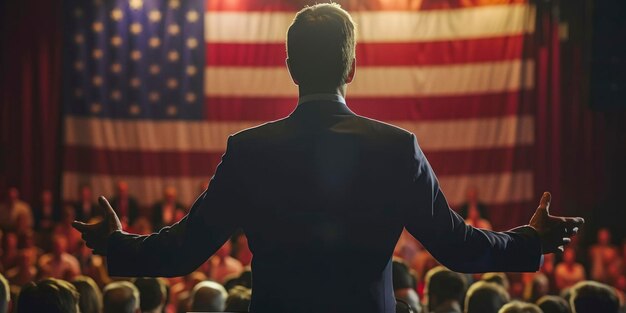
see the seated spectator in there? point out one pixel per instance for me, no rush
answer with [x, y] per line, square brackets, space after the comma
[602, 255]
[593, 297]
[497, 278]
[238, 299]
[9, 251]
[520, 307]
[120, 297]
[59, 263]
[64, 228]
[445, 290]
[86, 208]
[49, 295]
[167, 211]
[473, 211]
[44, 215]
[208, 296]
[142, 226]
[222, 265]
[538, 287]
[553, 304]
[485, 297]
[25, 271]
[181, 291]
[92, 265]
[5, 295]
[125, 205]
[152, 294]
[568, 272]
[90, 300]
[404, 284]
[13, 209]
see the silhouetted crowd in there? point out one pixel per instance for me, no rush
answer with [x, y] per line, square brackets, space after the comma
[45, 267]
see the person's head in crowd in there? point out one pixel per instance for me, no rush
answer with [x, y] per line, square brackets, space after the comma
[471, 194]
[497, 278]
[49, 295]
[485, 297]
[593, 297]
[553, 304]
[445, 289]
[238, 299]
[170, 194]
[404, 283]
[208, 296]
[90, 300]
[46, 197]
[520, 307]
[120, 297]
[152, 294]
[5, 295]
[13, 195]
[86, 194]
[9, 244]
[604, 236]
[321, 45]
[68, 215]
[59, 245]
[122, 189]
[569, 256]
[539, 287]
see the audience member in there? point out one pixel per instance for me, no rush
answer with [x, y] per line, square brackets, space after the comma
[152, 294]
[602, 255]
[5, 295]
[59, 264]
[25, 271]
[124, 204]
[553, 304]
[49, 295]
[9, 251]
[568, 272]
[13, 209]
[497, 278]
[520, 307]
[538, 287]
[593, 297]
[222, 265]
[404, 284]
[485, 297]
[445, 290]
[65, 229]
[86, 208]
[208, 296]
[44, 215]
[182, 290]
[120, 297]
[167, 211]
[238, 299]
[90, 300]
[92, 265]
[473, 210]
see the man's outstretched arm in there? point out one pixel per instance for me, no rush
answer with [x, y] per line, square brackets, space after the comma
[175, 250]
[463, 248]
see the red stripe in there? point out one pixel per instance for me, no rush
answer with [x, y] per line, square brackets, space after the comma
[425, 108]
[202, 164]
[380, 54]
[370, 5]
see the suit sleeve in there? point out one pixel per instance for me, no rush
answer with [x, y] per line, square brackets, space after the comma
[181, 248]
[456, 245]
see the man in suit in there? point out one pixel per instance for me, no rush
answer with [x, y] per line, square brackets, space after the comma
[322, 196]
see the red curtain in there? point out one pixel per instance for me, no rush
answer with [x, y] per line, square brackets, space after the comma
[30, 96]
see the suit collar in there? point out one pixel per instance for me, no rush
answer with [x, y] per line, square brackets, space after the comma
[321, 105]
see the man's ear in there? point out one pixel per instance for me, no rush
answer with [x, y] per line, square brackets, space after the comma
[291, 72]
[352, 71]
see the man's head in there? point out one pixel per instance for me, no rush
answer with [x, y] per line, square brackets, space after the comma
[120, 297]
[169, 194]
[49, 295]
[444, 285]
[46, 197]
[553, 304]
[404, 284]
[321, 45]
[604, 236]
[122, 188]
[208, 296]
[485, 297]
[5, 295]
[14, 194]
[85, 192]
[90, 296]
[590, 296]
[59, 245]
[152, 294]
[520, 307]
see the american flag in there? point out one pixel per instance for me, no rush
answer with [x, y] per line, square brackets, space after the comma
[154, 87]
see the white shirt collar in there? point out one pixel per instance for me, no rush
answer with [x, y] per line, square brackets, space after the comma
[322, 97]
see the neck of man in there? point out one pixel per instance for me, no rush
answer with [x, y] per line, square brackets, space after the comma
[305, 90]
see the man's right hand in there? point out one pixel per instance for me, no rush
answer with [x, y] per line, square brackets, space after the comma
[554, 231]
[97, 234]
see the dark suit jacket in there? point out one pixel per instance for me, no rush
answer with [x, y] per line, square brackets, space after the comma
[322, 196]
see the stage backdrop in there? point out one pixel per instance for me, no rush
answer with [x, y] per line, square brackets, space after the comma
[153, 88]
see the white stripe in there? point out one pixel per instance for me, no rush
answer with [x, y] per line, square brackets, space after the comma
[383, 26]
[211, 136]
[496, 188]
[372, 81]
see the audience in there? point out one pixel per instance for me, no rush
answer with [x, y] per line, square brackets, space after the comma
[593, 297]
[473, 211]
[222, 266]
[90, 300]
[124, 204]
[520, 307]
[59, 264]
[167, 211]
[208, 296]
[13, 209]
[120, 297]
[5, 295]
[602, 255]
[485, 297]
[238, 299]
[49, 295]
[553, 304]
[86, 208]
[404, 285]
[568, 272]
[44, 215]
[152, 294]
[446, 290]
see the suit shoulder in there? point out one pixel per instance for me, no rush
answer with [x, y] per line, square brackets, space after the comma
[257, 132]
[385, 128]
